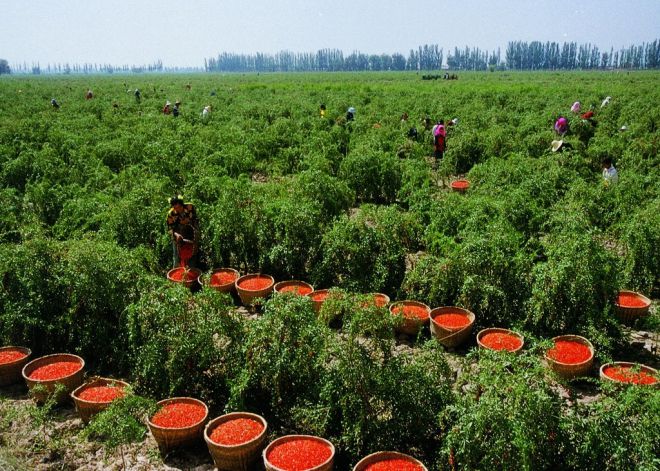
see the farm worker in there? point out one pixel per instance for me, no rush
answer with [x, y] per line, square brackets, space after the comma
[89, 95]
[561, 126]
[138, 96]
[610, 174]
[439, 136]
[404, 117]
[605, 102]
[561, 145]
[350, 114]
[167, 109]
[427, 122]
[322, 110]
[577, 106]
[175, 110]
[183, 228]
[54, 103]
[206, 112]
[588, 115]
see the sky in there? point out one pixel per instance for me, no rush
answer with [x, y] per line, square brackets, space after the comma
[183, 33]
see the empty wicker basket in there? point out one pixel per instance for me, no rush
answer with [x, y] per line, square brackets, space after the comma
[10, 372]
[239, 457]
[69, 382]
[168, 438]
[386, 455]
[88, 409]
[451, 337]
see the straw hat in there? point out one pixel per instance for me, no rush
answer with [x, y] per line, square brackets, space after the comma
[556, 145]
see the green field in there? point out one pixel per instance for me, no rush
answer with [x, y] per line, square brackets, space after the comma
[538, 244]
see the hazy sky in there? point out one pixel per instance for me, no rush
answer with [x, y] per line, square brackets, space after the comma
[185, 32]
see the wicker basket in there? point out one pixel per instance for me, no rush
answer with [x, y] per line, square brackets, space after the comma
[88, 409]
[192, 277]
[572, 370]
[70, 382]
[385, 455]
[644, 368]
[283, 284]
[496, 330]
[448, 337]
[168, 438]
[382, 296]
[410, 326]
[10, 373]
[227, 287]
[318, 304]
[248, 296]
[235, 457]
[460, 186]
[630, 314]
[327, 466]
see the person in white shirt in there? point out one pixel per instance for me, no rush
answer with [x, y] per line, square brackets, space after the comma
[610, 174]
[205, 112]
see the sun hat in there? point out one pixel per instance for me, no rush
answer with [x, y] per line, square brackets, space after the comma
[576, 107]
[556, 145]
[351, 110]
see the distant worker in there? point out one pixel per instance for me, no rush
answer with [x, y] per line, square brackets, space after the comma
[577, 106]
[605, 102]
[322, 110]
[404, 117]
[206, 113]
[138, 96]
[175, 110]
[213, 93]
[610, 175]
[183, 227]
[561, 126]
[350, 114]
[412, 133]
[188, 86]
[428, 122]
[561, 146]
[54, 103]
[167, 109]
[89, 95]
[439, 142]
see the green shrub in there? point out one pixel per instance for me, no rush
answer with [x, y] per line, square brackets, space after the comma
[374, 176]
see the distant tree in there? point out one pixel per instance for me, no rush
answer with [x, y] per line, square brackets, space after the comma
[4, 67]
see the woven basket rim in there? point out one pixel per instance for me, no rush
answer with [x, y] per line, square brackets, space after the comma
[578, 338]
[641, 366]
[178, 399]
[489, 330]
[194, 270]
[25, 350]
[287, 438]
[212, 424]
[460, 180]
[202, 279]
[367, 460]
[318, 291]
[254, 275]
[646, 300]
[281, 284]
[438, 310]
[410, 302]
[52, 356]
[93, 382]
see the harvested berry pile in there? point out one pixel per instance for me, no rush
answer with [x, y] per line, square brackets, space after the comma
[501, 341]
[630, 300]
[412, 312]
[319, 295]
[56, 370]
[299, 454]
[101, 393]
[302, 290]
[452, 320]
[395, 464]
[221, 278]
[627, 374]
[10, 356]
[236, 431]
[569, 352]
[256, 284]
[180, 274]
[179, 415]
